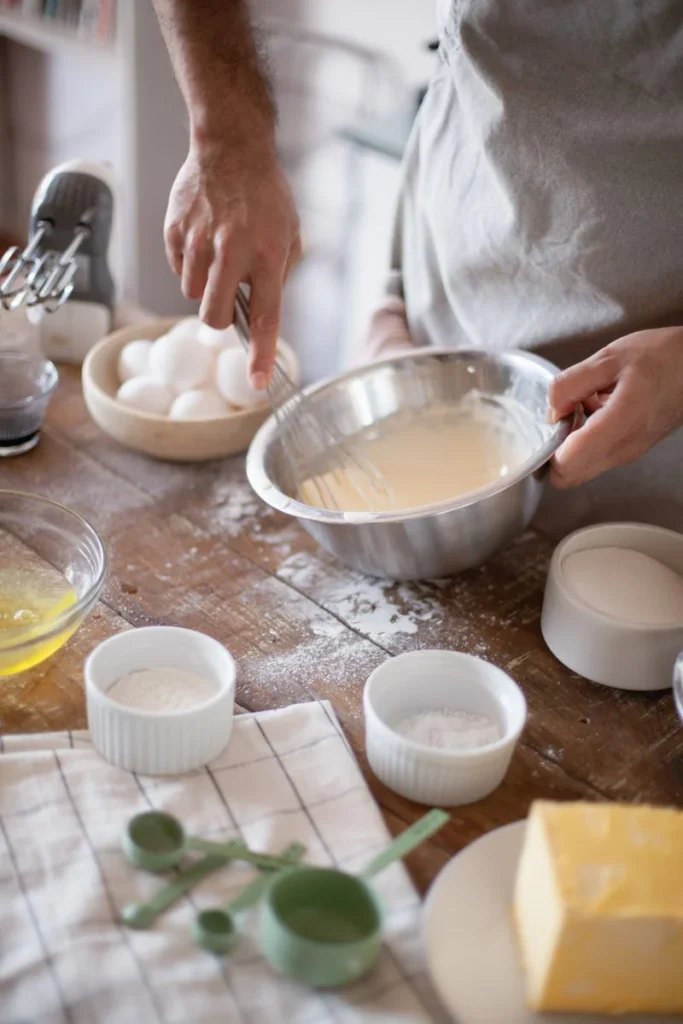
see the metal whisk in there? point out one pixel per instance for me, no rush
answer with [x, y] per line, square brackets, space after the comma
[309, 437]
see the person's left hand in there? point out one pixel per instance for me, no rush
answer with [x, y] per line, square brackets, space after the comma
[632, 394]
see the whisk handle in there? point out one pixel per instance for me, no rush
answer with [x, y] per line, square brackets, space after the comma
[241, 319]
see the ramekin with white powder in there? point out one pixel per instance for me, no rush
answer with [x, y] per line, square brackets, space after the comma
[441, 726]
[160, 699]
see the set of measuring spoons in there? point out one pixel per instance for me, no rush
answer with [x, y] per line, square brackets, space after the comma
[320, 926]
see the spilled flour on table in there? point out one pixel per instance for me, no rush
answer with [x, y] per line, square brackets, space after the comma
[372, 606]
[297, 674]
[280, 541]
[234, 502]
[327, 626]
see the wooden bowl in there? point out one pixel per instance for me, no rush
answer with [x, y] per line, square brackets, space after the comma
[159, 436]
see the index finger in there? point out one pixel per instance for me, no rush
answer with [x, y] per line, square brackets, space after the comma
[265, 307]
[173, 243]
[217, 308]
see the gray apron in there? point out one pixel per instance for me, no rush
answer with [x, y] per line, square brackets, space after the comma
[542, 197]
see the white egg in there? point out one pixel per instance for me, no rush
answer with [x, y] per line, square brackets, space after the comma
[198, 404]
[218, 340]
[134, 359]
[232, 382]
[146, 394]
[187, 328]
[181, 362]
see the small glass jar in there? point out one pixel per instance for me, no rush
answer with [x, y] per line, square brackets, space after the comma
[27, 383]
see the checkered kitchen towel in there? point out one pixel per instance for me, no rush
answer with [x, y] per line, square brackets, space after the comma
[65, 959]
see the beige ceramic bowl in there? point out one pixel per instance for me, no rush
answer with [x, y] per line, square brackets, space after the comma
[159, 436]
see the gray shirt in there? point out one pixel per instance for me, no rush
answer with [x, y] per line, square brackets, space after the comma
[542, 196]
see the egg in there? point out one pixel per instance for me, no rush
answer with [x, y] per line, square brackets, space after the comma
[232, 381]
[198, 404]
[180, 362]
[187, 328]
[145, 394]
[134, 359]
[218, 340]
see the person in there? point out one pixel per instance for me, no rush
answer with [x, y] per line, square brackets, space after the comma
[231, 216]
[540, 201]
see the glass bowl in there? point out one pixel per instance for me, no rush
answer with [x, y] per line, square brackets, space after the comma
[27, 384]
[52, 566]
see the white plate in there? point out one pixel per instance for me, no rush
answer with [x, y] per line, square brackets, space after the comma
[471, 947]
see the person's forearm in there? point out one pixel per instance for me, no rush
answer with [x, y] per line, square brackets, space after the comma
[231, 217]
[219, 68]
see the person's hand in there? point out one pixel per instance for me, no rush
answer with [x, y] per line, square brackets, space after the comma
[231, 218]
[387, 333]
[632, 394]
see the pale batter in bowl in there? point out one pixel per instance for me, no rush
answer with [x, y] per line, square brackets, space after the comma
[429, 456]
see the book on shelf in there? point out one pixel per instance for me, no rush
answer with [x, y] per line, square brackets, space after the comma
[89, 19]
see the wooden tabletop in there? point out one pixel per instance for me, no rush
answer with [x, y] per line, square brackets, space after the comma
[191, 546]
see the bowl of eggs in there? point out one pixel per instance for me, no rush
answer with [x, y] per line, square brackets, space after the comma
[177, 390]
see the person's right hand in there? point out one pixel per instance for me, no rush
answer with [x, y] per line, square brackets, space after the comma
[231, 218]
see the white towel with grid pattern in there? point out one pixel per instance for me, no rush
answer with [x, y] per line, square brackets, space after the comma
[65, 959]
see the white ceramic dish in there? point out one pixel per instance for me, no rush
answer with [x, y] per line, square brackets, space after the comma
[159, 743]
[602, 649]
[437, 681]
[159, 436]
[471, 947]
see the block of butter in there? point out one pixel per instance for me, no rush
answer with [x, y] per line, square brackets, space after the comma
[598, 908]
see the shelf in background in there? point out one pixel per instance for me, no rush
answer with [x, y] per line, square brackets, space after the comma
[51, 37]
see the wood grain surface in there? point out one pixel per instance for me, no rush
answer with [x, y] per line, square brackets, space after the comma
[191, 546]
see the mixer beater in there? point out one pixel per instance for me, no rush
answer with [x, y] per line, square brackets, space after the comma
[66, 258]
[29, 279]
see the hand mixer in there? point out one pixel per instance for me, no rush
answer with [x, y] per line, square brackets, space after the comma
[309, 436]
[66, 258]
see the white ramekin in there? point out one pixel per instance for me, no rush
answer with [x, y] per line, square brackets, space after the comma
[151, 742]
[440, 681]
[602, 649]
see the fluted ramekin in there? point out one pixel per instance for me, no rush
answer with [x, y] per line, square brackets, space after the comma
[440, 681]
[159, 742]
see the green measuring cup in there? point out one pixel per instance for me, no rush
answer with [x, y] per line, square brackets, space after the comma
[215, 930]
[143, 915]
[323, 927]
[156, 841]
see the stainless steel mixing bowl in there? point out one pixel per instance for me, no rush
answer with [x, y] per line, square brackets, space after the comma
[433, 540]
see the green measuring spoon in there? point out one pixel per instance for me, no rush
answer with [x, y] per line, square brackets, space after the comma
[323, 927]
[215, 930]
[143, 915]
[156, 841]
[262, 861]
